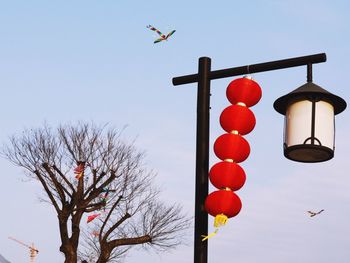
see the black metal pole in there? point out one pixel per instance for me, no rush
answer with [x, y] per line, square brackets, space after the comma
[261, 67]
[202, 160]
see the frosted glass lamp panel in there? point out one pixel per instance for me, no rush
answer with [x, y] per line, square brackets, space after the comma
[298, 123]
[324, 124]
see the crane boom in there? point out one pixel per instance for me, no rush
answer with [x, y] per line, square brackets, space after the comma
[32, 249]
[20, 242]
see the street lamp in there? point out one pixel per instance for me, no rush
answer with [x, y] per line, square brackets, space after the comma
[322, 104]
[309, 130]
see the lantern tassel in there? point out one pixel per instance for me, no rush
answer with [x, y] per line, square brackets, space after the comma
[220, 220]
[205, 237]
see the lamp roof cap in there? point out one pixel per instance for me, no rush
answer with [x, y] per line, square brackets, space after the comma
[306, 91]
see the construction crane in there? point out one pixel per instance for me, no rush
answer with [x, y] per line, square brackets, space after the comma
[32, 249]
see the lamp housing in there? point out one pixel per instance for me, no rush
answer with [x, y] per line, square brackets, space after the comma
[309, 127]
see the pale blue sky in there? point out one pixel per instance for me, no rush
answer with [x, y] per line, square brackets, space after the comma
[66, 61]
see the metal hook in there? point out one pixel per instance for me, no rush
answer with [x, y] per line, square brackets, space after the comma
[248, 73]
[309, 72]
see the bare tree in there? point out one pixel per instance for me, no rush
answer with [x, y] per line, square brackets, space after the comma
[112, 185]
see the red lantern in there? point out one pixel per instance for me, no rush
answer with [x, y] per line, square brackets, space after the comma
[223, 202]
[231, 146]
[237, 118]
[227, 174]
[244, 90]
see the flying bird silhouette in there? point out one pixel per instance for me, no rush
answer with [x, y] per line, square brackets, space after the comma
[162, 36]
[315, 213]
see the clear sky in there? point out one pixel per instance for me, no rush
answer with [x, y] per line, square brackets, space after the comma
[69, 61]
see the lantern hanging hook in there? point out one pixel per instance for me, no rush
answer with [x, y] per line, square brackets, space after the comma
[248, 76]
[248, 71]
[309, 72]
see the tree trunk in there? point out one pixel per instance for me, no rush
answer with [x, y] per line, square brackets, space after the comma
[70, 255]
[71, 258]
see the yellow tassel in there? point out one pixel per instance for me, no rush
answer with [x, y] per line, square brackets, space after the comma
[220, 220]
[210, 235]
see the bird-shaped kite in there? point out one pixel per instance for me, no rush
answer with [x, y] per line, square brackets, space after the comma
[315, 213]
[79, 170]
[95, 233]
[106, 191]
[162, 36]
[92, 217]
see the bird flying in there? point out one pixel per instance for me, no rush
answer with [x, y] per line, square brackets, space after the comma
[162, 36]
[315, 213]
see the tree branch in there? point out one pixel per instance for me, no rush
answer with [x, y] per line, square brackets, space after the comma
[125, 217]
[130, 241]
[95, 192]
[93, 185]
[109, 214]
[64, 178]
[95, 206]
[47, 190]
[59, 187]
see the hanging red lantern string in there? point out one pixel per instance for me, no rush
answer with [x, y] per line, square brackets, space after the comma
[232, 148]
